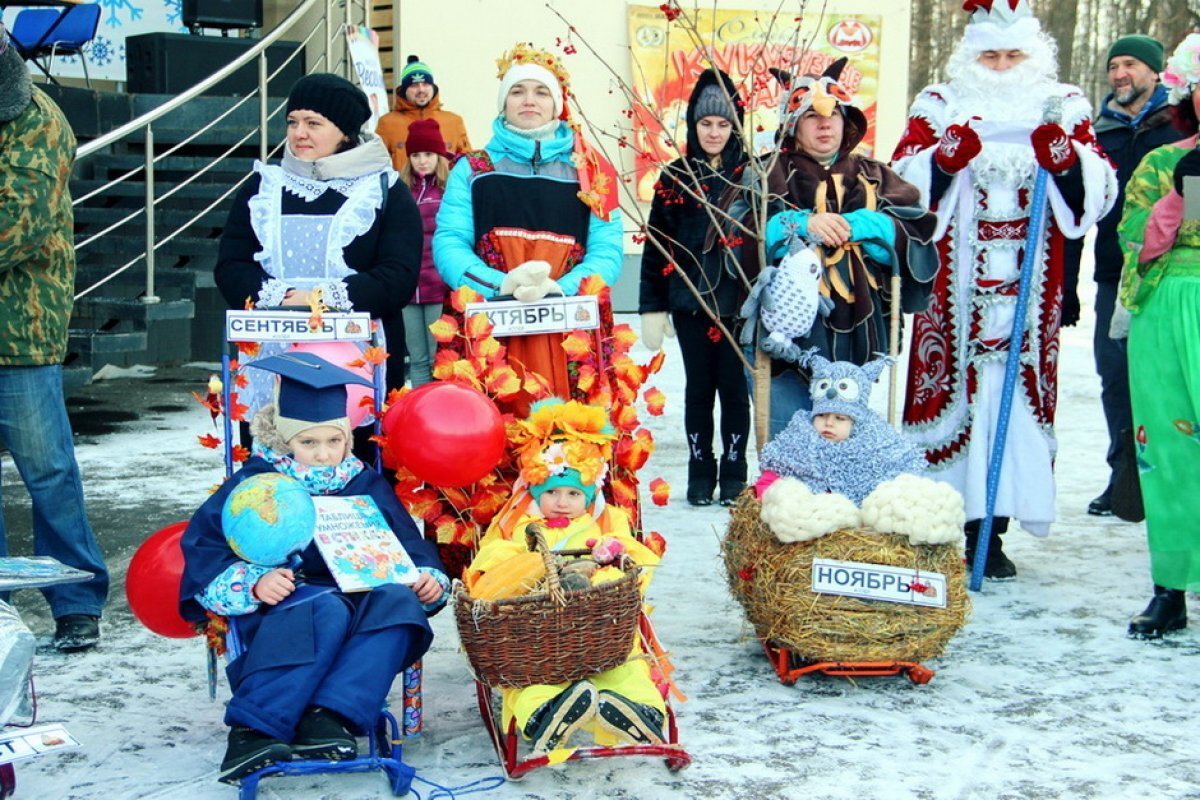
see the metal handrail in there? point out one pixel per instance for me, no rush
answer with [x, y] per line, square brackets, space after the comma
[145, 125]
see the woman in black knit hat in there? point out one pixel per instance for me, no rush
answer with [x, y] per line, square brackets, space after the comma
[332, 218]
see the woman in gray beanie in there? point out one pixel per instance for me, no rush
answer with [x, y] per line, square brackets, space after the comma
[333, 216]
[687, 198]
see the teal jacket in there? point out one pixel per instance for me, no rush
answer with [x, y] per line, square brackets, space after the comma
[37, 251]
[455, 241]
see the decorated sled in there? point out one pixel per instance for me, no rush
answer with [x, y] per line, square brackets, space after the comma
[851, 603]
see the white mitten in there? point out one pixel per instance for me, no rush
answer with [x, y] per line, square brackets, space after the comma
[656, 325]
[531, 273]
[529, 294]
[1119, 327]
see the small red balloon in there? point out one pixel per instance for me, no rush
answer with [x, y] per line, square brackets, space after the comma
[152, 583]
[446, 434]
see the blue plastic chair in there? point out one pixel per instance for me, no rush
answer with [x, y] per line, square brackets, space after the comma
[41, 32]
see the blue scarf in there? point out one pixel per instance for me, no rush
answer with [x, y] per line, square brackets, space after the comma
[317, 480]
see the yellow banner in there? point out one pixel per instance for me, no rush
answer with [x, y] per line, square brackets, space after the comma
[667, 60]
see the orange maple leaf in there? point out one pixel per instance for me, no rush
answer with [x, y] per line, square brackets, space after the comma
[478, 326]
[486, 502]
[660, 492]
[577, 344]
[502, 382]
[655, 364]
[633, 451]
[586, 379]
[209, 441]
[425, 503]
[624, 492]
[623, 337]
[248, 349]
[655, 400]
[237, 411]
[444, 329]
[234, 366]
[375, 355]
[239, 453]
[445, 527]
[490, 350]
[593, 284]
[241, 380]
[536, 386]
[463, 295]
[625, 418]
[655, 542]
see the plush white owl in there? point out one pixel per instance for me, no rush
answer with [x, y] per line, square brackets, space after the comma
[787, 299]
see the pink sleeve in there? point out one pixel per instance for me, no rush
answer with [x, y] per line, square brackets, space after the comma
[764, 482]
[1162, 226]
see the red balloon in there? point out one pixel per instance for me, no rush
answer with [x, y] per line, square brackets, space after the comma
[152, 583]
[446, 434]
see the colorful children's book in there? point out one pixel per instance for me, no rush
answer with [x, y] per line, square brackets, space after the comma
[358, 546]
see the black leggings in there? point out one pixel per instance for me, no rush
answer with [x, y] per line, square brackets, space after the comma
[712, 369]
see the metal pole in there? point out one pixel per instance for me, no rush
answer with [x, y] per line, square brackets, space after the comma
[328, 35]
[150, 296]
[263, 144]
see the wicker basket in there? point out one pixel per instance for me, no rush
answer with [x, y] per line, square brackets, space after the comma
[773, 583]
[551, 637]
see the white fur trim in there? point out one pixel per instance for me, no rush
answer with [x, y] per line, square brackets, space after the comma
[1020, 35]
[530, 72]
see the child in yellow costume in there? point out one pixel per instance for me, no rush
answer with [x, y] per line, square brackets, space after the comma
[564, 450]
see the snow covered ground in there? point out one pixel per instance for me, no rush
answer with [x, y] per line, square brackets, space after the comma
[1039, 696]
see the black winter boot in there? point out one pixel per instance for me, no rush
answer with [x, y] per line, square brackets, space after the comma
[1167, 612]
[702, 481]
[733, 480]
[998, 567]
[321, 734]
[250, 751]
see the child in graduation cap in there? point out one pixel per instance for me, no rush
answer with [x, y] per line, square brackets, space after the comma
[318, 663]
[564, 450]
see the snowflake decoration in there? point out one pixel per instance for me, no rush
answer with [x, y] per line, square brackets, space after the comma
[114, 6]
[100, 51]
[174, 11]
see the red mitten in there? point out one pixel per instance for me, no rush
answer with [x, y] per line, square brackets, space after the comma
[1052, 148]
[958, 145]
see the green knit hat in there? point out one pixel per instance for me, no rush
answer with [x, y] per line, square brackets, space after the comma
[418, 72]
[1145, 49]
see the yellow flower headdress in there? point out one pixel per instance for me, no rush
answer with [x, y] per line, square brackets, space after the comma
[559, 435]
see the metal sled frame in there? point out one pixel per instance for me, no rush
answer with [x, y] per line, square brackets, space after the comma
[790, 667]
[507, 742]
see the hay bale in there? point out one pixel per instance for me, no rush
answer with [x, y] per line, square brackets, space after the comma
[773, 582]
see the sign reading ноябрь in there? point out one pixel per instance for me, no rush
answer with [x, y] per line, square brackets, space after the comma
[879, 582]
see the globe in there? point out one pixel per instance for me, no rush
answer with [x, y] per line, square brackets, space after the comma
[267, 517]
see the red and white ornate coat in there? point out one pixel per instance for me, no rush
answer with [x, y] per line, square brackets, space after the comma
[984, 186]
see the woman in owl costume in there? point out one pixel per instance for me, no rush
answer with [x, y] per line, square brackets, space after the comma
[865, 219]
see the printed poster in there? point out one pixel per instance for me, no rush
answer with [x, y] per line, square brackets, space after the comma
[363, 44]
[745, 43]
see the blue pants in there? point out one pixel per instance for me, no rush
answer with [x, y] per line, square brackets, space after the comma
[320, 647]
[35, 429]
[1112, 365]
[789, 394]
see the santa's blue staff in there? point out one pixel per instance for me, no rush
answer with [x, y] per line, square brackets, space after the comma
[1037, 221]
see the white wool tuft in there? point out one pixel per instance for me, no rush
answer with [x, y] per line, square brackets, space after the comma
[795, 514]
[924, 510]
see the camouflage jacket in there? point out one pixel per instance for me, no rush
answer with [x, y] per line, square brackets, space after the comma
[37, 253]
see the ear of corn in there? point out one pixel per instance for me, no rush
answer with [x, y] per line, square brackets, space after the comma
[512, 577]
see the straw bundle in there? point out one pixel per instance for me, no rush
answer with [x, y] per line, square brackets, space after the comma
[773, 582]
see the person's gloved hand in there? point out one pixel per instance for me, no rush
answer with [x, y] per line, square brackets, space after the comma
[1070, 309]
[531, 273]
[1189, 165]
[1052, 148]
[529, 294]
[656, 325]
[958, 145]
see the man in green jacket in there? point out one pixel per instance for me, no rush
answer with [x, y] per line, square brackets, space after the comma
[37, 277]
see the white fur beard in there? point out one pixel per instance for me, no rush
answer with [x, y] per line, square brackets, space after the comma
[1017, 94]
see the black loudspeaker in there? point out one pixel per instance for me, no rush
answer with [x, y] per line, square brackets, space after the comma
[223, 13]
[169, 63]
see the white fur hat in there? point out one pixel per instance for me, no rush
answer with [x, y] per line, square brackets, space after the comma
[530, 72]
[1000, 25]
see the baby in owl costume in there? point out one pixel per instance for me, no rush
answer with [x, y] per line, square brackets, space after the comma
[840, 465]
